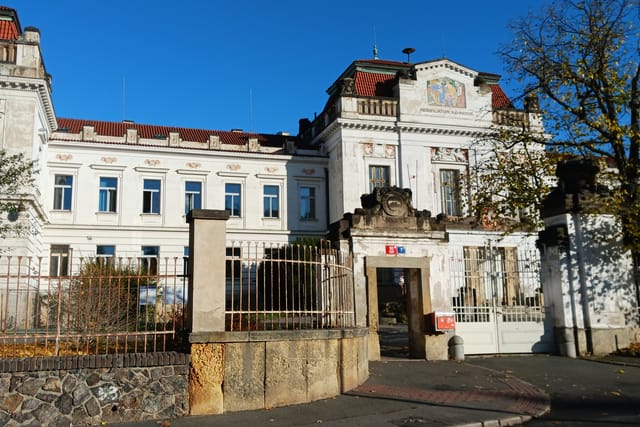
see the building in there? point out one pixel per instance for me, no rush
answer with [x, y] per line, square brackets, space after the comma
[123, 189]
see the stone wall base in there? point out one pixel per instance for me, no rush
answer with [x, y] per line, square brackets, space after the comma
[604, 340]
[81, 390]
[262, 370]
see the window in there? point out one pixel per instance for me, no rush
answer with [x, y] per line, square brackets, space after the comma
[307, 203]
[233, 267]
[105, 251]
[59, 261]
[105, 254]
[271, 201]
[149, 260]
[232, 199]
[450, 192]
[108, 194]
[378, 177]
[192, 196]
[62, 187]
[151, 196]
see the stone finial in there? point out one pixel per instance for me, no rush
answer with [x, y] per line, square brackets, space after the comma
[214, 142]
[88, 133]
[253, 144]
[132, 136]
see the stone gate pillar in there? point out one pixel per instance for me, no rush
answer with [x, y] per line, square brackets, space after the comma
[206, 308]
[587, 273]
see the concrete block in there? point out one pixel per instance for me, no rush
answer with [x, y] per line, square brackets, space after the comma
[349, 364]
[286, 373]
[323, 369]
[206, 376]
[244, 376]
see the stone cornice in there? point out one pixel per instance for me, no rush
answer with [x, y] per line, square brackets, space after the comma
[414, 128]
[37, 86]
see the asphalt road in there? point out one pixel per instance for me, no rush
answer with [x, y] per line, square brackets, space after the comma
[583, 392]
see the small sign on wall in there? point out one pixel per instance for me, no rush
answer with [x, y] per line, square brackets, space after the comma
[395, 250]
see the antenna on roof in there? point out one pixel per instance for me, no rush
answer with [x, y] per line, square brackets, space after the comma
[250, 109]
[408, 51]
[375, 47]
[124, 99]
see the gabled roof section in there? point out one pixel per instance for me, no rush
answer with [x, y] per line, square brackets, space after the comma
[119, 129]
[9, 24]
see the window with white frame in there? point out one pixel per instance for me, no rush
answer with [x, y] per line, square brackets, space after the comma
[151, 196]
[232, 200]
[271, 201]
[59, 260]
[149, 260]
[307, 203]
[378, 177]
[62, 192]
[192, 196]
[450, 192]
[108, 192]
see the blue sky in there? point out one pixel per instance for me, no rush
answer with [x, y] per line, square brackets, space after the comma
[254, 65]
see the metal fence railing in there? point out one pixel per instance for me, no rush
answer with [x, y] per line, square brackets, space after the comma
[105, 306]
[283, 287]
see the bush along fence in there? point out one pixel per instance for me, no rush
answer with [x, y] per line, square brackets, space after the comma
[105, 306]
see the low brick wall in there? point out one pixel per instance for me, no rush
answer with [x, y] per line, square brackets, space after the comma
[60, 391]
[267, 369]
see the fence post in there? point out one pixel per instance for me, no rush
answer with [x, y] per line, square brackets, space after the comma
[207, 253]
[206, 309]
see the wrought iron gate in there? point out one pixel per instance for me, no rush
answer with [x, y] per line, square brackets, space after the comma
[498, 301]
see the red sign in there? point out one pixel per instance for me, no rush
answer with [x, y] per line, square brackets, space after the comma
[445, 321]
[391, 250]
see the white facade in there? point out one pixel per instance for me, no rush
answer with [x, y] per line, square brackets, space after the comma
[120, 189]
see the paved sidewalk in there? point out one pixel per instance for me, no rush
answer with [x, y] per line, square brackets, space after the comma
[403, 392]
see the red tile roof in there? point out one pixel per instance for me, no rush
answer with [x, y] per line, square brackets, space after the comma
[9, 29]
[119, 129]
[374, 84]
[498, 98]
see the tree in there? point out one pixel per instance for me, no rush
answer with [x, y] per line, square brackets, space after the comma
[16, 182]
[581, 59]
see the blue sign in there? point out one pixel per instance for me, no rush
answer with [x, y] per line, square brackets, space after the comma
[401, 250]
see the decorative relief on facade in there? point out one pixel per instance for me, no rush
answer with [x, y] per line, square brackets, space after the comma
[390, 151]
[233, 167]
[270, 169]
[367, 149]
[109, 160]
[453, 155]
[347, 87]
[64, 157]
[308, 171]
[151, 162]
[194, 165]
[446, 92]
[378, 150]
